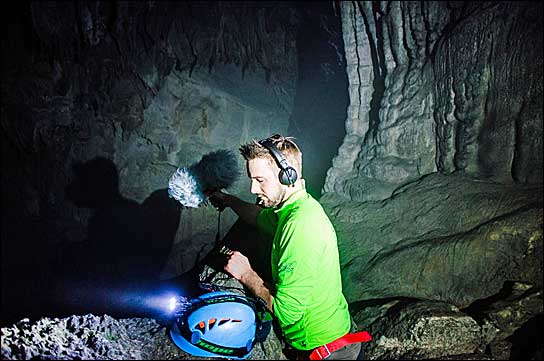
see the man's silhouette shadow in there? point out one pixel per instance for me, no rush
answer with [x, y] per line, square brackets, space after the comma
[127, 243]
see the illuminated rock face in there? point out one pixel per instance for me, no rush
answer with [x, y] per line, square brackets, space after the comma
[450, 242]
[92, 337]
[436, 191]
[96, 336]
[451, 238]
[439, 88]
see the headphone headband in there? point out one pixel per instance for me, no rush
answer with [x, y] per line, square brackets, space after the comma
[278, 156]
[288, 175]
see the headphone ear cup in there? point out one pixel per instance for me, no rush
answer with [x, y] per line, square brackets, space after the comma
[288, 176]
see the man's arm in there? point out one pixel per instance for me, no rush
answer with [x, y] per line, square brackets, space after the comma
[246, 211]
[238, 266]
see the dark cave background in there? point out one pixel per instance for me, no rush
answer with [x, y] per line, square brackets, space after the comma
[420, 126]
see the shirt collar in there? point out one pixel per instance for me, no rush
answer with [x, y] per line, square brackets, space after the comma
[292, 199]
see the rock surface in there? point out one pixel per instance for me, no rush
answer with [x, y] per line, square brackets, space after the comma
[429, 93]
[88, 337]
[106, 338]
[450, 238]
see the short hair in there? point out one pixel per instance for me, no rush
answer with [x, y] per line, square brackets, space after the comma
[285, 145]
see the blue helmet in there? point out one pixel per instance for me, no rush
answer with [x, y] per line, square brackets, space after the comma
[217, 324]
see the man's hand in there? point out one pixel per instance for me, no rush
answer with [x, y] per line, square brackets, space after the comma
[246, 211]
[238, 265]
[218, 199]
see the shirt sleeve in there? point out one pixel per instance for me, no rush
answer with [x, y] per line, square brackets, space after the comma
[297, 266]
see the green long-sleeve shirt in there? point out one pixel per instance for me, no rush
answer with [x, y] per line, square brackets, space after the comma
[308, 303]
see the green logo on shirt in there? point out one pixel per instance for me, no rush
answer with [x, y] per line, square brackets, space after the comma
[287, 267]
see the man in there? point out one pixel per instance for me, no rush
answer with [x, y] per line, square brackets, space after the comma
[306, 297]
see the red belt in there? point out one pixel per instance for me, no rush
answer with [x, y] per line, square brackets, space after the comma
[325, 351]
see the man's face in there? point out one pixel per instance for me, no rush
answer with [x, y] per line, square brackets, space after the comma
[265, 183]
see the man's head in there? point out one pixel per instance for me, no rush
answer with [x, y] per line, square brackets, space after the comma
[264, 171]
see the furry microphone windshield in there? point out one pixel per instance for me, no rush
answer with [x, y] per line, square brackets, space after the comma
[216, 170]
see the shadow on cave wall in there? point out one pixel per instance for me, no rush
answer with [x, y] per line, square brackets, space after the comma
[126, 241]
[115, 268]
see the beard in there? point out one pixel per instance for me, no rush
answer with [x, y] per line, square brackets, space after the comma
[272, 200]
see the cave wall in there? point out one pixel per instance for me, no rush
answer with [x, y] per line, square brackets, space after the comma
[112, 98]
[439, 87]
[101, 102]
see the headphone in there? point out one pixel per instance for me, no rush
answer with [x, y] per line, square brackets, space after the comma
[288, 175]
